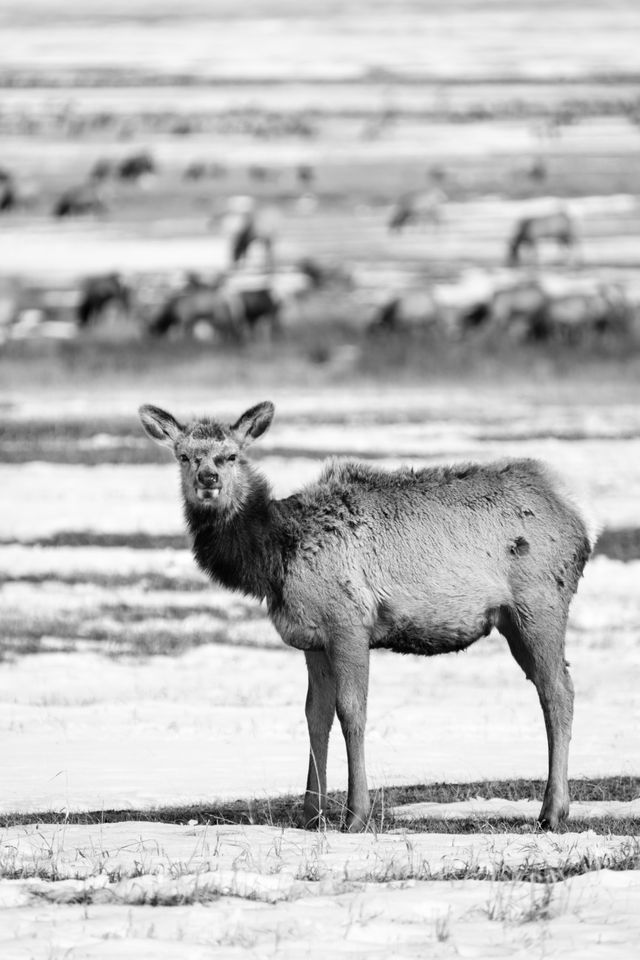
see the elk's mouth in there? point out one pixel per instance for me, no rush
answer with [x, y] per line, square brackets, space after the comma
[207, 494]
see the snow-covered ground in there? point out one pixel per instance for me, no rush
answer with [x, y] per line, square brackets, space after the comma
[119, 890]
[226, 720]
[147, 687]
[127, 682]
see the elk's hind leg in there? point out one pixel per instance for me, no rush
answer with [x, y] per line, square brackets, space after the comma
[538, 647]
[320, 710]
[350, 662]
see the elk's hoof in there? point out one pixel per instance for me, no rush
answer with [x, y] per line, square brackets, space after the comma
[311, 819]
[549, 820]
[356, 823]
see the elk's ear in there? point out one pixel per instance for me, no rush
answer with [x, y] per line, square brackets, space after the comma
[254, 422]
[160, 425]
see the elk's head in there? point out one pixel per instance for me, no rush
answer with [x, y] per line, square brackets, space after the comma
[214, 471]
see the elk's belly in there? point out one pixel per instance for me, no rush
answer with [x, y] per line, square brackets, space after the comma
[429, 638]
[298, 632]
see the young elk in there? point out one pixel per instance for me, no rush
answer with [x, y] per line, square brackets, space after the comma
[418, 561]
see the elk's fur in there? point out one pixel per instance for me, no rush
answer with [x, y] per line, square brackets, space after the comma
[418, 561]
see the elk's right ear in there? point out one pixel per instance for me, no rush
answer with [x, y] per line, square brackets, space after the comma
[160, 425]
[254, 422]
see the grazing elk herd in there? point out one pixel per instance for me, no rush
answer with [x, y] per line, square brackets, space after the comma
[524, 300]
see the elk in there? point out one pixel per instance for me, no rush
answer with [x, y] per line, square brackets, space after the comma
[97, 294]
[136, 165]
[234, 314]
[529, 231]
[417, 561]
[248, 233]
[8, 193]
[85, 198]
[418, 208]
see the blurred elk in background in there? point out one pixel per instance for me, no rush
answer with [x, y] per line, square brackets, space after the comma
[99, 294]
[8, 191]
[207, 310]
[418, 209]
[530, 232]
[76, 201]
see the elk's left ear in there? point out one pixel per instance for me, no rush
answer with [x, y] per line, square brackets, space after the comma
[254, 422]
[160, 425]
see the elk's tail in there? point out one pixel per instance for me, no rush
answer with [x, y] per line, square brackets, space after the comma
[575, 497]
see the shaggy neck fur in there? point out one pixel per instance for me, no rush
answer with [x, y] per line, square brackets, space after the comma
[240, 549]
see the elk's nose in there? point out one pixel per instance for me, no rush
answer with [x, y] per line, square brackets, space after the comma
[207, 477]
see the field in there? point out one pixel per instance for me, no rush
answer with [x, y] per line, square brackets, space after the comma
[152, 724]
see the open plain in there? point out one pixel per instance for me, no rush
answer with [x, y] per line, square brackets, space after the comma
[152, 726]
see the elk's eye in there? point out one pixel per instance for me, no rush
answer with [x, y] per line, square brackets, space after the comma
[183, 458]
[232, 457]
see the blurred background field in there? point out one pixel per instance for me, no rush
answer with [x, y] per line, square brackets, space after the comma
[137, 141]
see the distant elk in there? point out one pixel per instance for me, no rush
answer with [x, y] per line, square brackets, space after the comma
[247, 226]
[204, 169]
[260, 173]
[305, 175]
[8, 192]
[568, 313]
[84, 198]
[204, 310]
[418, 209]
[537, 171]
[102, 169]
[99, 294]
[574, 317]
[136, 165]
[518, 310]
[529, 232]
[417, 561]
[326, 276]
[413, 312]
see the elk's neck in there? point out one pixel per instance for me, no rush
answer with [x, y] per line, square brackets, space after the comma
[240, 550]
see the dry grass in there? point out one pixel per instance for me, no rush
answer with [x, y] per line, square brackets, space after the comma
[91, 878]
[286, 811]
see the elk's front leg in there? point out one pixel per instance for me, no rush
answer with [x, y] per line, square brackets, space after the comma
[350, 662]
[320, 710]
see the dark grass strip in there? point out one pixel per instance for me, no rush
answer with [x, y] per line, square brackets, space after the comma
[600, 788]
[118, 454]
[603, 826]
[286, 811]
[618, 544]
[148, 582]
[127, 429]
[567, 436]
[112, 441]
[533, 871]
[46, 430]
[122, 614]
[117, 645]
[90, 538]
